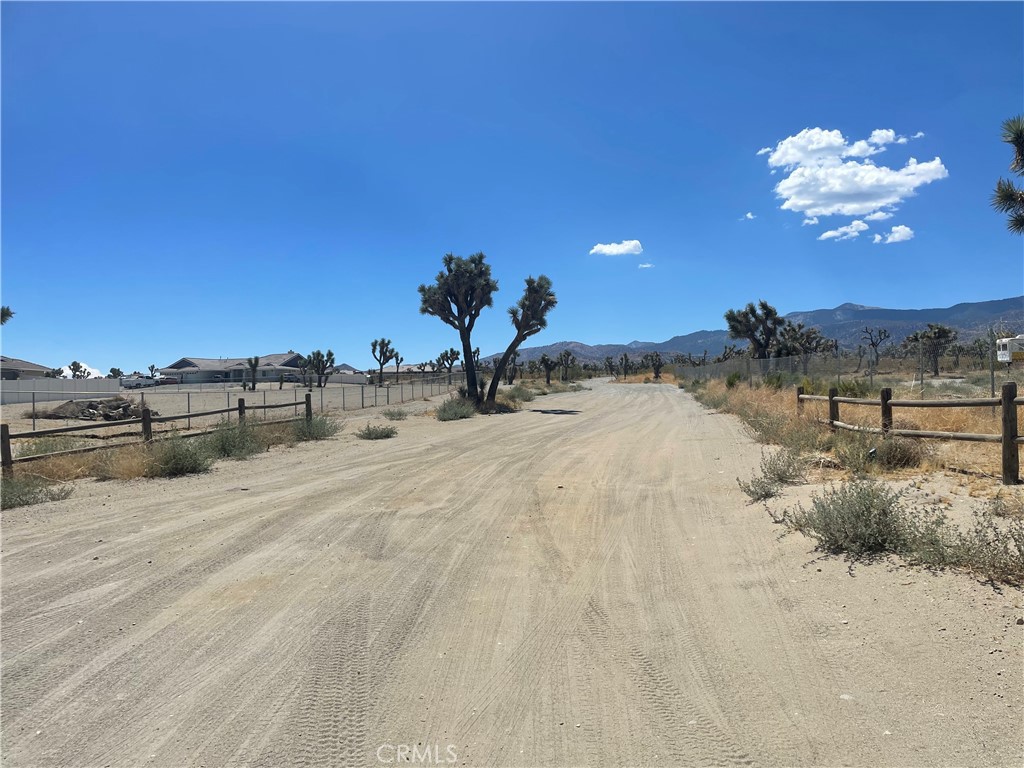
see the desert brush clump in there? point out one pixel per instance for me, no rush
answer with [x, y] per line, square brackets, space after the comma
[456, 408]
[317, 428]
[394, 414]
[778, 468]
[233, 441]
[25, 490]
[520, 393]
[177, 456]
[866, 518]
[377, 432]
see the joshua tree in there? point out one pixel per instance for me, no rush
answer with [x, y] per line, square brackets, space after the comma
[609, 365]
[320, 364]
[383, 353]
[529, 317]
[512, 369]
[548, 365]
[78, 371]
[303, 365]
[152, 370]
[624, 364]
[1008, 198]
[5, 314]
[447, 360]
[422, 368]
[461, 290]
[874, 337]
[115, 373]
[759, 325]
[54, 373]
[653, 361]
[254, 366]
[398, 364]
[567, 360]
[933, 343]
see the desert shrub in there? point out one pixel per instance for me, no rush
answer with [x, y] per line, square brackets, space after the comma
[178, 456]
[317, 428]
[23, 490]
[900, 453]
[860, 518]
[502, 404]
[778, 468]
[520, 393]
[233, 441]
[1008, 504]
[862, 452]
[733, 379]
[456, 408]
[993, 548]
[853, 388]
[394, 414]
[127, 463]
[774, 380]
[377, 432]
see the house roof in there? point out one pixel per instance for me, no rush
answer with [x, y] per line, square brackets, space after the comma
[22, 365]
[279, 360]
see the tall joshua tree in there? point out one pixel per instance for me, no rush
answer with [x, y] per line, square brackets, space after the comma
[320, 364]
[5, 314]
[254, 366]
[383, 353]
[447, 360]
[529, 317]
[461, 290]
[1009, 198]
[548, 364]
[757, 324]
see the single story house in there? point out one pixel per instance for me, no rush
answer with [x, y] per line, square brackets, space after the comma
[200, 370]
[13, 368]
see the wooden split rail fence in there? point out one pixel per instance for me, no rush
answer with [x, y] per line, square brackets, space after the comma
[146, 422]
[1008, 401]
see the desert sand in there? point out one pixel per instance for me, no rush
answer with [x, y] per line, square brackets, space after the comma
[580, 583]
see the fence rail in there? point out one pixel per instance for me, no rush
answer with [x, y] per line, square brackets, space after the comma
[1009, 436]
[7, 459]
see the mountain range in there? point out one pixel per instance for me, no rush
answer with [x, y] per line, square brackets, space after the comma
[844, 323]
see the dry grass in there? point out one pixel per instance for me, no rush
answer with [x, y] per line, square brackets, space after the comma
[772, 414]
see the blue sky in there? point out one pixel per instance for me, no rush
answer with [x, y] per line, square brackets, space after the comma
[230, 179]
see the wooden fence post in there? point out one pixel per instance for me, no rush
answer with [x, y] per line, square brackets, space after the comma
[833, 408]
[799, 402]
[885, 396]
[1011, 455]
[5, 450]
[147, 424]
[309, 407]
[241, 411]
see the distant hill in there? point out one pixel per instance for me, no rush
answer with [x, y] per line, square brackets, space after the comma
[843, 323]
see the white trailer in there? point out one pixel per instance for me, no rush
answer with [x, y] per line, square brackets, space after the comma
[1010, 350]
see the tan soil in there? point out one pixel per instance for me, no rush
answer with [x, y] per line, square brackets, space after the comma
[581, 583]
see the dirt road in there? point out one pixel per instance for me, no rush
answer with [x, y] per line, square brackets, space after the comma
[581, 583]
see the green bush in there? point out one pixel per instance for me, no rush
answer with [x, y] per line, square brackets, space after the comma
[520, 393]
[853, 388]
[778, 468]
[178, 456]
[860, 452]
[861, 518]
[733, 379]
[376, 432]
[394, 414]
[21, 491]
[317, 428]
[50, 444]
[456, 408]
[233, 441]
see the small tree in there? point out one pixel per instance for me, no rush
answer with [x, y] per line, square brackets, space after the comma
[609, 365]
[254, 366]
[398, 364]
[115, 373]
[757, 324]
[548, 365]
[933, 343]
[447, 360]
[567, 360]
[78, 371]
[624, 364]
[320, 364]
[653, 361]
[54, 373]
[152, 370]
[461, 290]
[874, 338]
[1008, 198]
[5, 314]
[529, 317]
[383, 353]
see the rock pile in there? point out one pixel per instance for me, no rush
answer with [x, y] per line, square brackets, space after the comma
[114, 409]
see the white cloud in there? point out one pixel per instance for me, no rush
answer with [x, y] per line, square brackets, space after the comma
[878, 216]
[850, 231]
[625, 248]
[918, 135]
[748, 216]
[764, 150]
[825, 175]
[898, 234]
[809, 222]
[644, 266]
